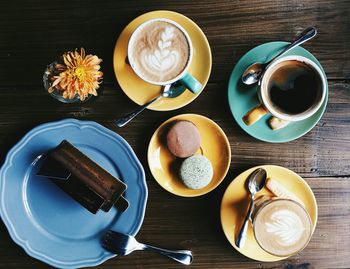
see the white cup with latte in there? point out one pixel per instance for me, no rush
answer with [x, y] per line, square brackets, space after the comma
[160, 52]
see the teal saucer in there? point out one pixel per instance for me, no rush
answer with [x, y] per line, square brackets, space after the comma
[242, 98]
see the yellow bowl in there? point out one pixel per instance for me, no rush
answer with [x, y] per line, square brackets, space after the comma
[140, 91]
[235, 203]
[214, 145]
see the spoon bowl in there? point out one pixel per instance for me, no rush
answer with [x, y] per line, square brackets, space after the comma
[173, 90]
[253, 73]
[257, 180]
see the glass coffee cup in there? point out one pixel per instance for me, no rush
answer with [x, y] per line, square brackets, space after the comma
[282, 227]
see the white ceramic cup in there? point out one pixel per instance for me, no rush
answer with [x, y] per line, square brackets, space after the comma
[184, 77]
[280, 118]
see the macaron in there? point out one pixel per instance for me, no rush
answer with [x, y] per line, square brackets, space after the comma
[196, 172]
[183, 139]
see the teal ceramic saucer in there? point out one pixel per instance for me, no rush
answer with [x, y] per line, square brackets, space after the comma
[242, 98]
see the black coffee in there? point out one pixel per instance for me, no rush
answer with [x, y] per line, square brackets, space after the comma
[294, 87]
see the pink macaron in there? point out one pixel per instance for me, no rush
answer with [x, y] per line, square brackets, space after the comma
[183, 139]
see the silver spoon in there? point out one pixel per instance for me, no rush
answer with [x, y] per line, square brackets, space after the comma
[253, 73]
[124, 244]
[256, 181]
[169, 91]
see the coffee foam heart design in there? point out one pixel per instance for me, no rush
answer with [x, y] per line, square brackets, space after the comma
[285, 225]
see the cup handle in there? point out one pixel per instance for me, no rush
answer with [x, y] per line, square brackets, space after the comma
[254, 114]
[276, 123]
[191, 83]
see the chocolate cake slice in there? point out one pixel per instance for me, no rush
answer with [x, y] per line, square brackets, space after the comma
[84, 180]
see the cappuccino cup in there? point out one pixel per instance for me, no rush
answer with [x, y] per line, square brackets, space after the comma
[292, 88]
[282, 227]
[160, 52]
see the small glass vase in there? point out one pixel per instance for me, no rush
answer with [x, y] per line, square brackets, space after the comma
[51, 71]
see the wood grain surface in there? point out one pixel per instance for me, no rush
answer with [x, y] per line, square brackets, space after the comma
[33, 33]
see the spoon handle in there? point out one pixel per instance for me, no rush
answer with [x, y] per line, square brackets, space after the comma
[304, 36]
[243, 232]
[182, 256]
[128, 117]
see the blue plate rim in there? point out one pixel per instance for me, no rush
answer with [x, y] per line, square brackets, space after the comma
[24, 244]
[323, 106]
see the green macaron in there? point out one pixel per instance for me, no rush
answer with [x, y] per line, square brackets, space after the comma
[196, 172]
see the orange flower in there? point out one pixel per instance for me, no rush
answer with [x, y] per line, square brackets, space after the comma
[78, 75]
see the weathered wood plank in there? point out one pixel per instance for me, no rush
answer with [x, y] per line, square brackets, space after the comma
[34, 33]
[324, 151]
[177, 222]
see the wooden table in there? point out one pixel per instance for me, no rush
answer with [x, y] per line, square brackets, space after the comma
[33, 33]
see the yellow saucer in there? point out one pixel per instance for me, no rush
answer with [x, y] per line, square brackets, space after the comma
[235, 203]
[140, 91]
[214, 145]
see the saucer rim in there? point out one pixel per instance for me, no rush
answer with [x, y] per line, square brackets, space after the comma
[255, 134]
[165, 14]
[296, 176]
[190, 115]
[25, 244]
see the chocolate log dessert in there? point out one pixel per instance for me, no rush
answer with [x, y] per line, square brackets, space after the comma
[87, 182]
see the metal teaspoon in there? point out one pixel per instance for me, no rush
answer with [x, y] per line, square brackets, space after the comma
[253, 73]
[256, 181]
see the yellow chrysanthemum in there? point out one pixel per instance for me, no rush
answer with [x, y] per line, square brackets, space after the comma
[80, 75]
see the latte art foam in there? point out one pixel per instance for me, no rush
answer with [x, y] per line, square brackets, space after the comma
[282, 227]
[159, 52]
[286, 227]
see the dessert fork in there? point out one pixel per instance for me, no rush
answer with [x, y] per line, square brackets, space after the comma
[124, 244]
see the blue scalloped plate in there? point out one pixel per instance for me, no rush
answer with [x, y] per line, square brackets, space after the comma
[47, 223]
